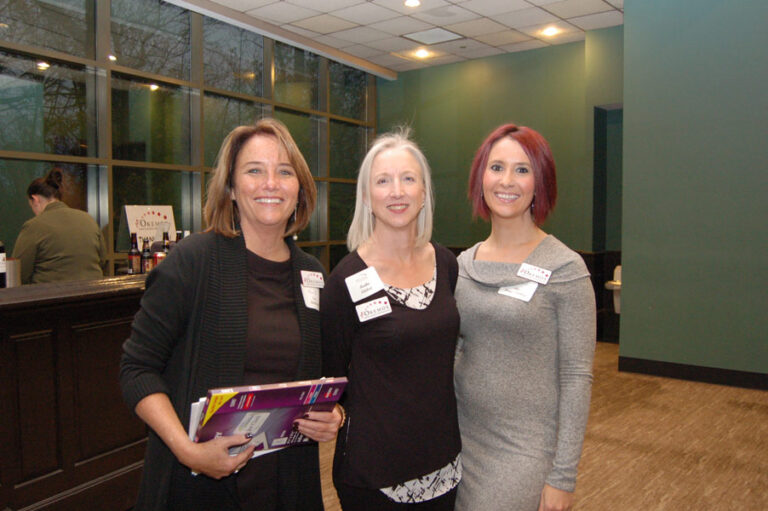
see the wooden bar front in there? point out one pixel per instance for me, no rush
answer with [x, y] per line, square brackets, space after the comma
[67, 440]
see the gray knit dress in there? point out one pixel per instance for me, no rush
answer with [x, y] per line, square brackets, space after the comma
[523, 376]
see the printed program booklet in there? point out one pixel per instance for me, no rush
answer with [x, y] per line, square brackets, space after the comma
[266, 412]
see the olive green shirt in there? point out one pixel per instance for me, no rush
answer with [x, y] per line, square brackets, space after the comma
[59, 244]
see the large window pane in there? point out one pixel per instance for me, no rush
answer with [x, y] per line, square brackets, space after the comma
[341, 208]
[316, 230]
[60, 25]
[233, 58]
[305, 130]
[348, 147]
[15, 177]
[296, 76]
[44, 107]
[152, 36]
[150, 187]
[221, 115]
[150, 121]
[348, 90]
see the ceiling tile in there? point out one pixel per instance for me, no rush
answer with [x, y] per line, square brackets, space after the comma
[324, 24]
[526, 45]
[301, 31]
[568, 37]
[398, 5]
[460, 46]
[525, 17]
[599, 20]
[386, 60]
[482, 52]
[245, 5]
[332, 41]
[502, 38]
[361, 35]
[445, 59]
[494, 7]
[324, 5]
[365, 14]
[619, 4]
[445, 15]
[393, 44]
[402, 25]
[543, 2]
[476, 27]
[281, 13]
[364, 52]
[573, 8]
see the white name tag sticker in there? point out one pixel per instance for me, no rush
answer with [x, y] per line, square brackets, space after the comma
[522, 291]
[534, 273]
[373, 309]
[311, 297]
[363, 284]
[312, 279]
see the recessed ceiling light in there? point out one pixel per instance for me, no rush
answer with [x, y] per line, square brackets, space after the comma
[412, 3]
[550, 31]
[421, 53]
[154, 86]
[42, 66]
[111, 57]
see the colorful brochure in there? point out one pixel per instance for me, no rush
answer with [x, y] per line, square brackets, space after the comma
[266, 412]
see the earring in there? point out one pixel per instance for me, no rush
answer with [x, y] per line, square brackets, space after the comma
[295, 213]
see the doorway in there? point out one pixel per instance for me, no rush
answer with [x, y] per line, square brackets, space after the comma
[606, 212]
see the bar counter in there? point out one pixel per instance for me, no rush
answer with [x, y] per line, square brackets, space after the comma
[67, 440]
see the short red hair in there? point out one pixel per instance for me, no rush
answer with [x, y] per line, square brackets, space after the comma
[543, 164]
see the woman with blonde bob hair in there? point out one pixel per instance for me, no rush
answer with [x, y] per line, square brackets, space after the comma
[363, 221]
[390, 323]
[234, 305]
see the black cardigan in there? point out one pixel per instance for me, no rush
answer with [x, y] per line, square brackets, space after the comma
[190, 335]
[401, 407]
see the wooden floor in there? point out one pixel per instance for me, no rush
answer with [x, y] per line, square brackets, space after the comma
[658, 444]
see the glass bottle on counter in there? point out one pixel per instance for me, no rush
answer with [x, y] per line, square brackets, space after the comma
[3, 268]
[166, 242]
[146, 257]
[134, 256]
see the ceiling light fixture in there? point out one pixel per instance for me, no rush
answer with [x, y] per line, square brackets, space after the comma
[111, 57]
[550, 31]
[412, 3]
[42, 66]
[421, 53]
[154, 87]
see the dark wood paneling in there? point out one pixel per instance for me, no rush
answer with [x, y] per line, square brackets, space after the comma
[68, 440]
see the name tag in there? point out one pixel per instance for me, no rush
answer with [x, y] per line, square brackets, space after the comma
[312, 279]
[522, 291]
[373, 309]
[363, 284]
[311, 297]
[534, 273]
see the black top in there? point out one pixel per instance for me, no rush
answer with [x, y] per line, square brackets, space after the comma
[400, 402]
[274, 339]
[189, 336]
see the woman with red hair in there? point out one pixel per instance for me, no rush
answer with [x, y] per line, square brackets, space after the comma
[524, 356]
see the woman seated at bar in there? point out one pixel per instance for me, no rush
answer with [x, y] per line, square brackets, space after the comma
[59, 243]
[226, 308]
[390, 322]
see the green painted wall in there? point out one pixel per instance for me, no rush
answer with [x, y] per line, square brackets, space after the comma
[695, 217]
[452, 108]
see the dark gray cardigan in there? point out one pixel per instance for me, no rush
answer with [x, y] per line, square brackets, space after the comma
[190, 335]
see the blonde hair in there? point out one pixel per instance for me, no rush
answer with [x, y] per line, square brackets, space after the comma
[363, 221]
[221, 213]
